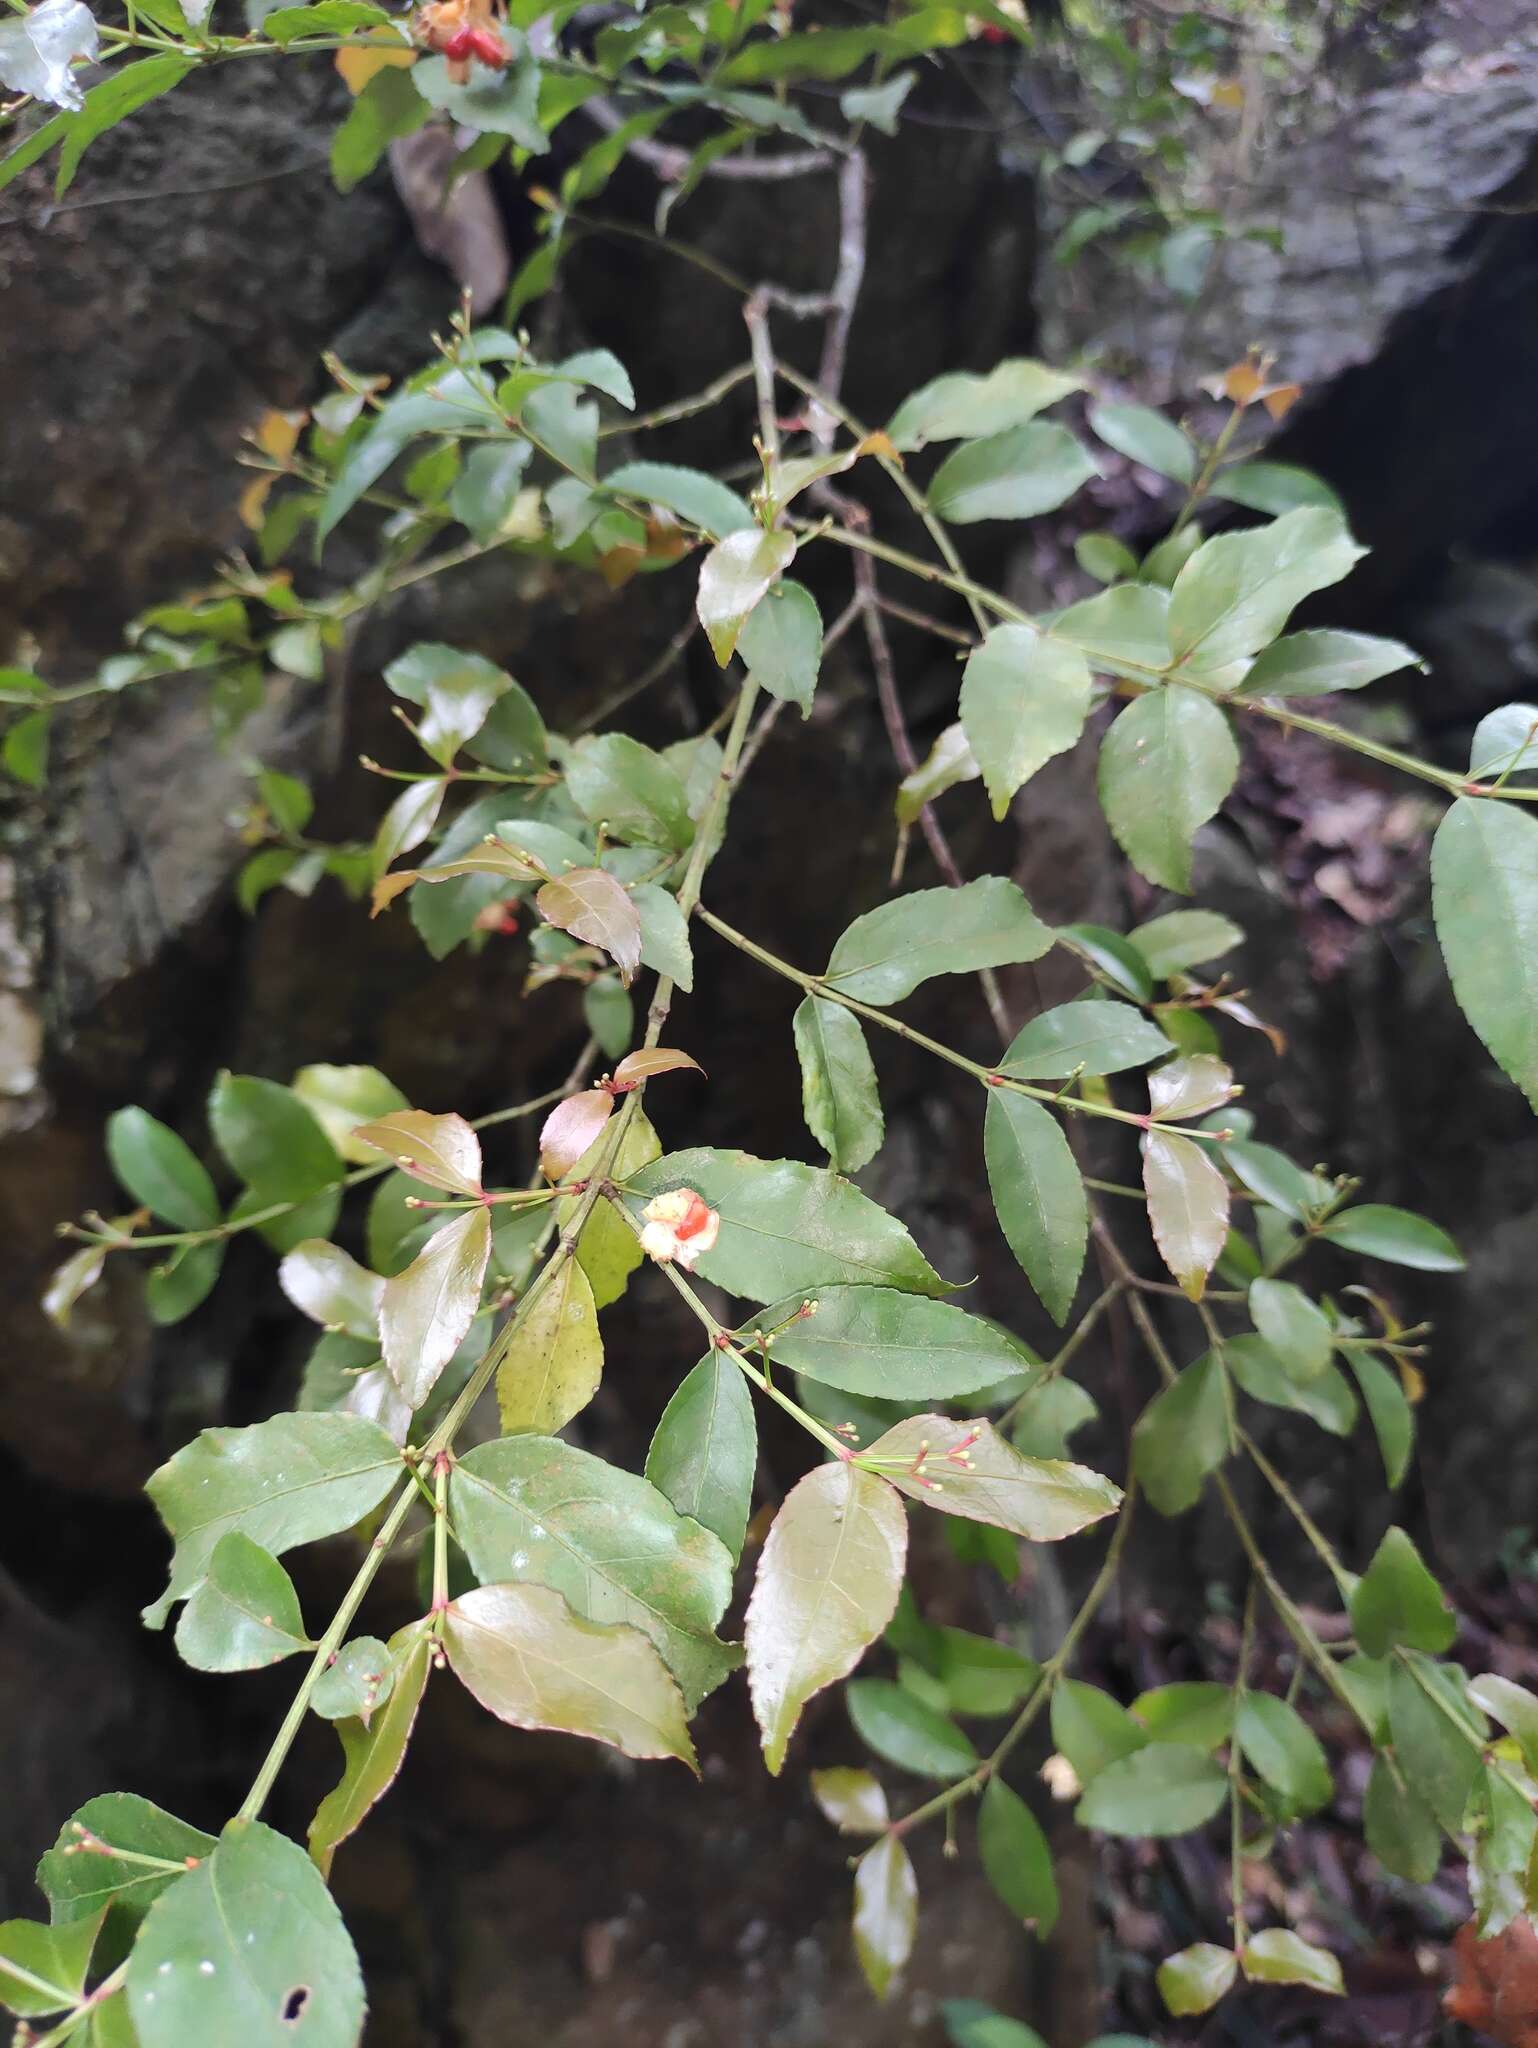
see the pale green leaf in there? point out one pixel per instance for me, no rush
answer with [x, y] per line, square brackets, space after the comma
[1187, 1207]
[781, 644]
[890, 951]
[1023, 699]
[554, 1359]
[882, 1342]
[1014, 475]
[1233, 597]
[734, 576]
[1166, 765]
[373, 1752]
[425, 1312]
[1317, 663]
[244, 1615]
[1165, 1789]
[963, 406]
[886, 1907]
[1193, 1981]
[826, 1586]
[968, 1469]
[1278, 1956]
[1145, 436]
[1484, 872]
[534, 1662]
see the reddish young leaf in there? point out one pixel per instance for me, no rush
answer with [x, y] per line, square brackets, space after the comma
[593, 907]
[648, 1062]
[442, 1151]
[570, 1128]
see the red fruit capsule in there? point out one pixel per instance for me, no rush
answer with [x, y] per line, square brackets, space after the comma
[458, 46]
[486, 44]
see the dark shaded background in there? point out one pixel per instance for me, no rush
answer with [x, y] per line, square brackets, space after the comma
[526, 1892]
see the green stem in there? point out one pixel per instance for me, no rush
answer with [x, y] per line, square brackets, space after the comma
[990, 1077]
[1236, 1776]
[1051, 1671]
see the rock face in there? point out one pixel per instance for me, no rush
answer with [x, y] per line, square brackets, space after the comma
[142, 337]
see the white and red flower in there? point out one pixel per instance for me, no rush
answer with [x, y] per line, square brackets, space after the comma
[680, 1227]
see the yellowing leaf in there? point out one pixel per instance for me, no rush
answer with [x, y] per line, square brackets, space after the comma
[1187, 1207]
[593, 907]
[359, 64]
[967, 1468]
[528, 1659]
[827, 1584]
[555, 1359]
[886, 1910]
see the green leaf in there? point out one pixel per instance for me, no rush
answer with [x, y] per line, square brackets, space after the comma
[535, 1663]
[1272, 1175]
[689, 493]
[1285, 1752]
[1187, 1207]
[949, 761]
[980, 1676]
[609, 1014]
[485, 493]
[372, 1752]
[880, 105]
[781, 644]
[1182, 1436]
[852, 1800]
[1401, 1830]
[1274, 487]
[705, 1451]
[1505, 743]
[665, 944]
[968, 1469]
[121, 93]
[1104, 557]
[890, 951]
[839, 1095]
[1024, 698]
[342, 1098]
[248, 1947]
[1123, 631]
[1165, 767]
[1379, 1232]
[1484, 869]
[827, 1583]
[962, 406]
[1184, 938]
[1016, 1858]
[617, 782]
[554, 1358]
[1187, 1087]
[971, 2024]
[456, 691]
[1513, 1706]
[734, 576]
[1165, 1789]
[1038, 1196]
[1295, 1328]
[332, 1288]
[1145, 436]
[172, 1291]
[77, 1885]
[1091, 1729]
[1195, 1713]
[271, 1140]
[1430, 1747]
[158, 1169]
[1088, 1036]
[290, 1480]
[491, 102]
[880, 1341]
[1235, 593]
[1393, 1419]
[388, 107]
[439, 1151]
[356, 1683]
[24, 750]
[1326, 1399]
[1112, 956]
[595, 908]
[436, 408]
[425, 1312]
[1193, 1981]
[1014, 475]
[244, 1615]
[886, 1908]
[1396, 1601]
[789, 1229]
[1278, 1956]
[534, 1509]
[903, 1731]
[43, 1969]
[326, 17]
[1315, 664]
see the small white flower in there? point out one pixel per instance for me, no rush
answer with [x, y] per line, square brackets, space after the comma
[678, 1226]
[1060, 1778]
[38, 49]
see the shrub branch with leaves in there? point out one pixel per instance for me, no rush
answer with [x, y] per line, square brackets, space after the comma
[563, 1592]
